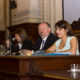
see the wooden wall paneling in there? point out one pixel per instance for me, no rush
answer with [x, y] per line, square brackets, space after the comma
[31, 29]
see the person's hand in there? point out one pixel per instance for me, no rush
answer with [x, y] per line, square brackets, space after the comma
[48, 51]
[26, 52]
[7, 43]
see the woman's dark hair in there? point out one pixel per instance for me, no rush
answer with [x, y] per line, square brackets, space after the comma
[22, 33]
[64, 24]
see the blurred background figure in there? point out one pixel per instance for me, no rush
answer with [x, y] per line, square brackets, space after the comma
[22, 41]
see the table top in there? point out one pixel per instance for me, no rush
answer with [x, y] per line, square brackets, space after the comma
[62, 75]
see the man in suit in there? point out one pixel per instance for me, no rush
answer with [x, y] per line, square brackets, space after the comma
[46, 36]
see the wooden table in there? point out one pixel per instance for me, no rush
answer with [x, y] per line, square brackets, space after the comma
[61, 75]
[21, 67]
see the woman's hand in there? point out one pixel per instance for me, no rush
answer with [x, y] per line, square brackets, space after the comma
[48, 51]
[8, 43]
[26, 52]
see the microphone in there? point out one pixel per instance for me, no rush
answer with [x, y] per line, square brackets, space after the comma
[11, 39]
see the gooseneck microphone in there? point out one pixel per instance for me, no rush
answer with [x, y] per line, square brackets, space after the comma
[10, 45]
[11, 39]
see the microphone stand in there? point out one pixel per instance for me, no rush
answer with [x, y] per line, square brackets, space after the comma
[10, 39]
[10, 47]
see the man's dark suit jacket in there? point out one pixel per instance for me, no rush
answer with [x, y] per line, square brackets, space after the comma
[49, 41]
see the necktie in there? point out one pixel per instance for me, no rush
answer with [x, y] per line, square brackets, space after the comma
[43, 42]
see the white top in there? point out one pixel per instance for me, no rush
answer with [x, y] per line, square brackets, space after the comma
[20, 45]
[67, 45]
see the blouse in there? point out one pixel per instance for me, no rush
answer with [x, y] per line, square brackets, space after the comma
[67, 45]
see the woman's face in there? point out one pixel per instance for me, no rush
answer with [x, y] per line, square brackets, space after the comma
[17, 37]
[61, 32]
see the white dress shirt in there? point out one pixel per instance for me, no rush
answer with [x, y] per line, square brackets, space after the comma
[44, 43]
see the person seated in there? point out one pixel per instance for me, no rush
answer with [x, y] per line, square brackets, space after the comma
[45, 40]
[67, 42]
[23, 41]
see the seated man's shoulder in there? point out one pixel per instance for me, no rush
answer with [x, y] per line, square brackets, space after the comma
[38, 40]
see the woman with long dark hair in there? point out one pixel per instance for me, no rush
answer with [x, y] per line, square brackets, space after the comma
[67, 42]
[23, 41]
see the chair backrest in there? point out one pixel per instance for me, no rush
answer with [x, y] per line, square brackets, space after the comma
[76, 28]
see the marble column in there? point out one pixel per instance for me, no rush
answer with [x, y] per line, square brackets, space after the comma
[51, 12]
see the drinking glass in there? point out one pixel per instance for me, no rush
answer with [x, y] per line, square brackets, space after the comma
[74, 67]
[74, 71]
[2, 49]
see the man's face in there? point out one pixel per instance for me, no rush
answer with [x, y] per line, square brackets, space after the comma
[43, 30]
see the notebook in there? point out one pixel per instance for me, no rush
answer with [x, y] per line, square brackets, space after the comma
[42, 53]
